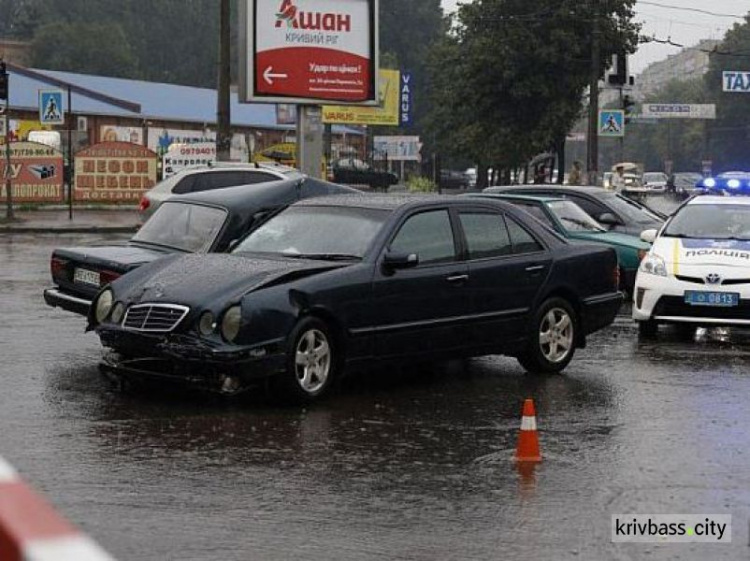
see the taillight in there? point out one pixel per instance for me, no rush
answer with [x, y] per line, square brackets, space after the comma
[57, 267]
[106, 277]
[144, 204]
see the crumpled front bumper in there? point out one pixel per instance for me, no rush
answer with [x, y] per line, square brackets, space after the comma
[189, 361]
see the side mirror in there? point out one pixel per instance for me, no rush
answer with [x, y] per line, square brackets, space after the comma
[234, 243]
[395, 261]
[608, 218]
[649, 236]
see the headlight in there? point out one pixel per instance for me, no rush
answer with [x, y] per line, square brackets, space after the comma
[230, 324]
[103, 306]
[206, 324]
[117, 312]
[654, 265]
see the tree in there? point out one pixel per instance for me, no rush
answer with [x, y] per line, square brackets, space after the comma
[94, 48]
[512, 74]
[730, 133]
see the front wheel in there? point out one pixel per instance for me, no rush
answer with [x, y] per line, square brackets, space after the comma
[311, 363]
[553, 338]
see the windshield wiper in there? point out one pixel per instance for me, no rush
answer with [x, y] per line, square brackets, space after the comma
[324, 256]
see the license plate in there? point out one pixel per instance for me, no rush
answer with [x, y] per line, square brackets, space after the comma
[85, 276]
[700, 298]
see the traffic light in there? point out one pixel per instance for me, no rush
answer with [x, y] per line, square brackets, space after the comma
[3, 81]
[627, 107]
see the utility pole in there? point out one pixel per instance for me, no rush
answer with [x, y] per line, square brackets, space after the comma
[5, 98]
[592, 158]
[223, 134]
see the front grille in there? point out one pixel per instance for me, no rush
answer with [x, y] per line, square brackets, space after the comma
[676, 306]
[723, 282]
[155, 318]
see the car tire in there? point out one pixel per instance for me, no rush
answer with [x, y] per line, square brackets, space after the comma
[648, 328]
[552, 341]
[311, 363]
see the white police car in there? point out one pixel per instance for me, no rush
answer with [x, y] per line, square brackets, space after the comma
[698, 269]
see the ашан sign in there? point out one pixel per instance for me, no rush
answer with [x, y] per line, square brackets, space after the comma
[309, 51]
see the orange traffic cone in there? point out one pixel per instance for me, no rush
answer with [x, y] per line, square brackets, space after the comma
[528, 439]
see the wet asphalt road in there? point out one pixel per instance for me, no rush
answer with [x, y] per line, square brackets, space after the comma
[396, 465]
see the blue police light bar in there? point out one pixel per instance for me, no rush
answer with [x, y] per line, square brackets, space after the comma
[730, 183]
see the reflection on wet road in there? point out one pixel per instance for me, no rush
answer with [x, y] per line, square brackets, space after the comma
[411, 464]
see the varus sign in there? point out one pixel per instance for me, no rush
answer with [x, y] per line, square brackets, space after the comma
[308, 51]
[735, 81]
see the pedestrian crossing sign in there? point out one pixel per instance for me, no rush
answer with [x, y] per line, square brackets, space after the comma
[611, 122]
[51, 107]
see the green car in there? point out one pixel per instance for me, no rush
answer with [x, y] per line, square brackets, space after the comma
[570, 221]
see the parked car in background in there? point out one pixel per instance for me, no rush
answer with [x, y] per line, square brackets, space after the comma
[203, 222]
[452, 179]
[655, 181]
[613, 211]
[216, 176]
[351, 280]
[352, 171]
[570, 221]
[683, 184]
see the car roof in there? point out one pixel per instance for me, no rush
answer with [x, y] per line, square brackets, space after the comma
[718, 200]
[391, 201]
[585, 189]
[241, 166]
[243, 197]
[522, 197]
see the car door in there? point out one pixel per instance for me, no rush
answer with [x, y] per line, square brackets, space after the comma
[507, 266]
[421, 310]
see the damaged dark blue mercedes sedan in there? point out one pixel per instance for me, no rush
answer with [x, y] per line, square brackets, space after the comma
[340, 281]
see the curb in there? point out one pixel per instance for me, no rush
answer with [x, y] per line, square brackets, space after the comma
[20, 229]
[31, 530]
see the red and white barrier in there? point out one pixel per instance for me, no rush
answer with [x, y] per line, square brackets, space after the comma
[31, 530]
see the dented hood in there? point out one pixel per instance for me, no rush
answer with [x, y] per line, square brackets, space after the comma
[199, 279]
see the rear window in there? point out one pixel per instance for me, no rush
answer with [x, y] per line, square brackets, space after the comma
[183, 226]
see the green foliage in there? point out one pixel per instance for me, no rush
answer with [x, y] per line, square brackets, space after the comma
[730, 133]
[508, 81]
[92, 48]
[418, 184]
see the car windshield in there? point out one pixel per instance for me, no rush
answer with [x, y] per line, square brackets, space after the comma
[317, 232]
[573, 218]
[634, 212]
[654, 177]
[687, 179]
[182, 226]
[711, 221]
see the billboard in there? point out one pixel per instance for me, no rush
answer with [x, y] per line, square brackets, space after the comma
[679, 111]
[395, 148]
[114, 171]
[308, 51]
[181, 156]
[113, 133]
[36, 173]
[385, 113]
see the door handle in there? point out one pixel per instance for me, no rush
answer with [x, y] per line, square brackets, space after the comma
[457, 279]
[534, 268]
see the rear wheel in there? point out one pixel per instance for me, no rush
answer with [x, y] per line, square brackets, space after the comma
[553, 338]
[311, 363]
[648, 328]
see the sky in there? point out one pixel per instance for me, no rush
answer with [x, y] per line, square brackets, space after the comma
[675, 20]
